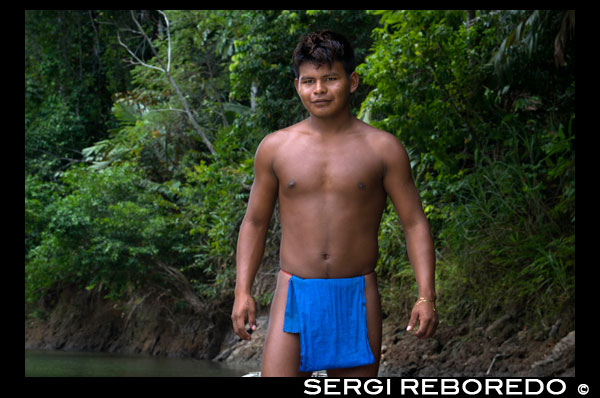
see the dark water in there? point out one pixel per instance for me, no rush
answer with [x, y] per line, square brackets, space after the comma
[93, 364]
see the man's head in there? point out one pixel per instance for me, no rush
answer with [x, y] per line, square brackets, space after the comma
[324, 47]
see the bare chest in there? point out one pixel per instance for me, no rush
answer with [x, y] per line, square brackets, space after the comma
[347, 168]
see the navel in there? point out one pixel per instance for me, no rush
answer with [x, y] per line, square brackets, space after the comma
[325, 256]
[362, 186]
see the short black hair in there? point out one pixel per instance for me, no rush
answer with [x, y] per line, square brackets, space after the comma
[324, 47]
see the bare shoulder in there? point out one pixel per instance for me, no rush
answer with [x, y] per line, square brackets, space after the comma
[276, 139]
[387, 145]
[270, 144]
[274, 144]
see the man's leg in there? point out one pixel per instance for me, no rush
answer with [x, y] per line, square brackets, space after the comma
[281, 354]
[373, 331]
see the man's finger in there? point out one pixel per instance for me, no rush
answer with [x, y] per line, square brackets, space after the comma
[432, 327]
[412, 322]
[427, 325]
[239, 328]
[252, 316]
[423, 327]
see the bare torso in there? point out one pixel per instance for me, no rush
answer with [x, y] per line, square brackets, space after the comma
[331, 198]
[332, 189]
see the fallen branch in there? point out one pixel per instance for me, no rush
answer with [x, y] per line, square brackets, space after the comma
[497, 356]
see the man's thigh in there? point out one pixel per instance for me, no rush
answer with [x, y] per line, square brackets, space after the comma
[373, 331]
[281, 354]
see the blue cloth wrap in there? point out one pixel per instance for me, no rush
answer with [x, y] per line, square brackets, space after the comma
[331, 317]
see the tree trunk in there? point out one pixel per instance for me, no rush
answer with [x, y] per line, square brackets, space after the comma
[470, 18]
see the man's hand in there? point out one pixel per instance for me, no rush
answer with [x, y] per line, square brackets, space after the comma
[244, 308]
[425, 313]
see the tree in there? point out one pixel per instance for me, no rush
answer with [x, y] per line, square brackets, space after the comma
[71, 71]
[166, 70]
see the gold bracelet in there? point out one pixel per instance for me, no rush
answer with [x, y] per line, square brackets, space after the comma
[424, 300]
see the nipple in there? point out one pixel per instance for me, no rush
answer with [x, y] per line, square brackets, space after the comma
[292, 184]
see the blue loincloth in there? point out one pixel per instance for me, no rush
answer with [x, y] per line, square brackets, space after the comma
[330, 316]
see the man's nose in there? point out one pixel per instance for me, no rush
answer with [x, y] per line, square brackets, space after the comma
[319, 87]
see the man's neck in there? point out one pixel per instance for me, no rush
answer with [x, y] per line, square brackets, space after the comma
[338, 124]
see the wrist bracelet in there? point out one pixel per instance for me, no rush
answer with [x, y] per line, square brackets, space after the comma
[424, 300]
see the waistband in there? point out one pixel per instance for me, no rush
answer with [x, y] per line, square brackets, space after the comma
[287, 273]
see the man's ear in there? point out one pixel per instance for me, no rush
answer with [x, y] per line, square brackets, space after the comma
[353, 82]
[296, 84]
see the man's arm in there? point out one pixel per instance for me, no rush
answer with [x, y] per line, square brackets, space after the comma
[401, 189]
[251, 239]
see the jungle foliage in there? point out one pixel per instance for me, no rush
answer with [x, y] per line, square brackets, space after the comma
[121, 190]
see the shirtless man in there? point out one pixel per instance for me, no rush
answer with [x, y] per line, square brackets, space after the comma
[331, 174]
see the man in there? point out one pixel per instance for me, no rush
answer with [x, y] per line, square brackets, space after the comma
[331, 174]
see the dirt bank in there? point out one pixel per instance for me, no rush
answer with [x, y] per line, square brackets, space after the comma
[154, 323]
[158, 324]
[497, 350]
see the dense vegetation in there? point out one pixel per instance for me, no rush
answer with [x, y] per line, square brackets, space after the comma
[138, 172]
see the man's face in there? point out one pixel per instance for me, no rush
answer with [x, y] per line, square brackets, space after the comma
[325, 90]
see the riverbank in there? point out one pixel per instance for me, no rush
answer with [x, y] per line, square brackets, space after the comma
[453, 352]
[160, 325]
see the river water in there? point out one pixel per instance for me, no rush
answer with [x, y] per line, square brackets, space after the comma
[95, 364]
